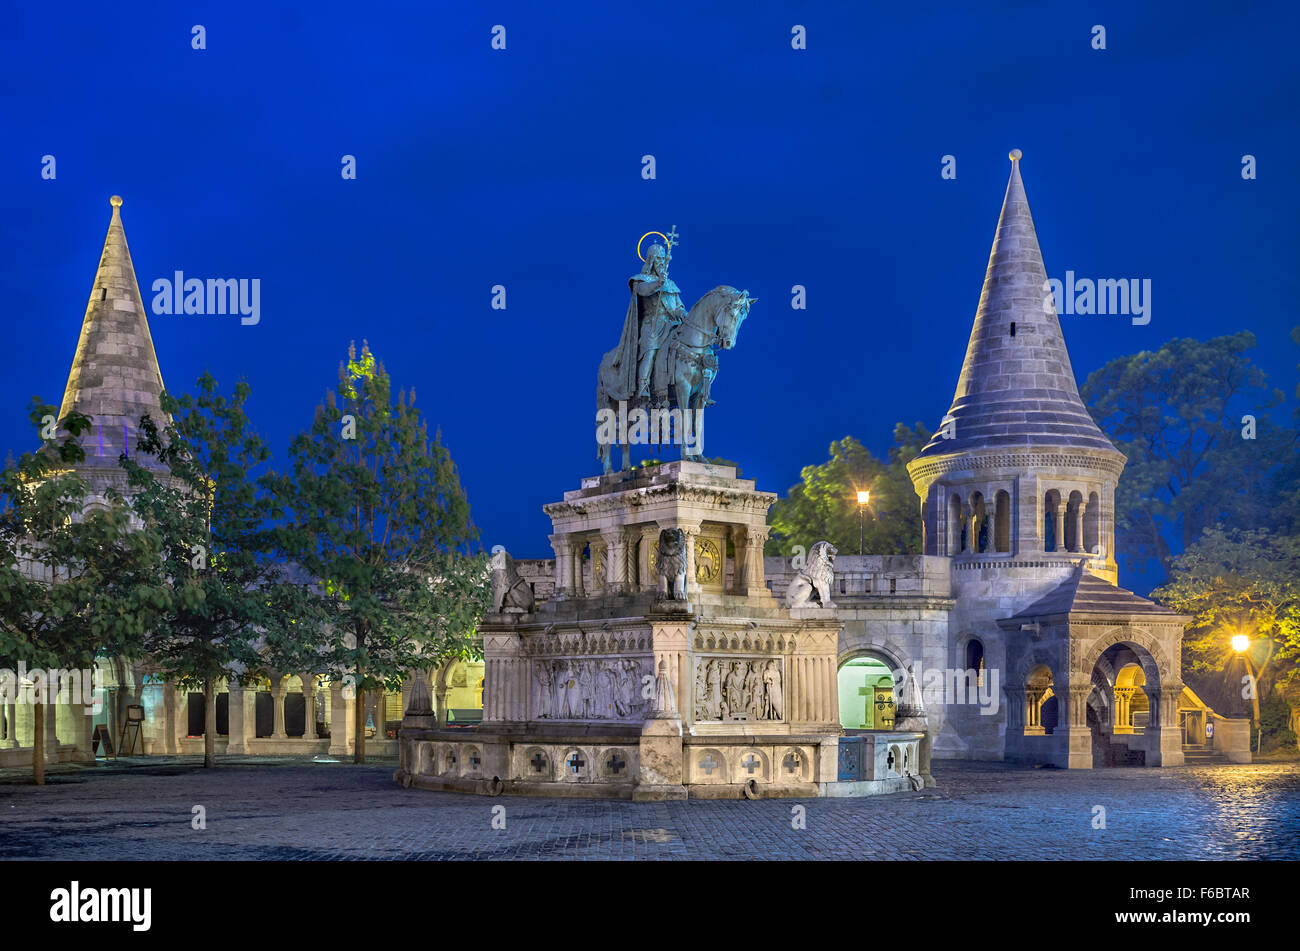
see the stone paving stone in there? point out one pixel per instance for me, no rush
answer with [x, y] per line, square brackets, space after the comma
[298, 810]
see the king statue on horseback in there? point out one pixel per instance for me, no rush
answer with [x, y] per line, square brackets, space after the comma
[665, 360]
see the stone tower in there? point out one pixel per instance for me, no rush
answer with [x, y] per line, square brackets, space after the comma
[1019, 474]
[1018, 489]
[115, 377]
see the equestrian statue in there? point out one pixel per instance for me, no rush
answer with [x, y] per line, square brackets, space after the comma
[666, 359]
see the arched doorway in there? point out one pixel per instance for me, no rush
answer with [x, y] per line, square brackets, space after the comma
[1126, 687]
[866, 694]
[1040, 717]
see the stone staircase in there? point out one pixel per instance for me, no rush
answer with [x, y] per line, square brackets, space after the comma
[1203, 756]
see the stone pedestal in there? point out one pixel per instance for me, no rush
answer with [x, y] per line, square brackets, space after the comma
[608, 689]
[661, 762]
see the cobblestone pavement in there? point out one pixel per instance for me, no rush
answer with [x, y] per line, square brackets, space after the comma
[305, 810]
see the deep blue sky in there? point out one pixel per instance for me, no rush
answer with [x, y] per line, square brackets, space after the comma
[522, 168]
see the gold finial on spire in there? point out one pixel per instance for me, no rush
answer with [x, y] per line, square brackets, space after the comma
[1014, 155]
[116, 201]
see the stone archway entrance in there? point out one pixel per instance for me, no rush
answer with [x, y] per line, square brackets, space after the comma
[866, 694]
[1124, 707]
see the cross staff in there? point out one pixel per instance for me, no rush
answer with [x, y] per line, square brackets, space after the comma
[671, 237]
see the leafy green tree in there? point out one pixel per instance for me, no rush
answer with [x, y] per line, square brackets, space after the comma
[1177, 414]
[824, 504]
[1232, 582]
[377, 513]
[75, 585]
[194, 483]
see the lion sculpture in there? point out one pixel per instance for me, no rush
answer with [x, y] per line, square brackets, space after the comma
[672, 564]
[812, 585]
[509, 589]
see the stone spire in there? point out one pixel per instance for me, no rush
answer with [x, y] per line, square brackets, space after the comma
[1017, 389]
[115, 377]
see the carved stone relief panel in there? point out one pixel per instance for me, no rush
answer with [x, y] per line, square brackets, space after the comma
[728, 690]
[606, 688]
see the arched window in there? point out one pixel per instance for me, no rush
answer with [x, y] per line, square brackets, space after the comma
[1051, 524]
[1073, 522]
[980, 543]
[1092, 525]
[1038, 691]
[975, 659]
[1002, 522]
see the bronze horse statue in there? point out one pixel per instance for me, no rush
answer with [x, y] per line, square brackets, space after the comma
[682, 372]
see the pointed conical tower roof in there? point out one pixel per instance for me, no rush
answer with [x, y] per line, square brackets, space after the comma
[1017, 388]
[115, 377]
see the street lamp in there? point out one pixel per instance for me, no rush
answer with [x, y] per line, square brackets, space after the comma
[1241, 644]
[863, 498]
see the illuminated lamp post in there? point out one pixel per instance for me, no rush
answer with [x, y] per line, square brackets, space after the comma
[863, 499]
[1241, 643]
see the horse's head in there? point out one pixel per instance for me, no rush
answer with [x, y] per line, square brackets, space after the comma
[731, 315]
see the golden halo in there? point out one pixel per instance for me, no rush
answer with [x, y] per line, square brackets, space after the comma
[646, 235]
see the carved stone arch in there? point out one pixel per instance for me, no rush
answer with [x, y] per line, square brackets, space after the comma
[751, 763]
[1155, 664]
[440, 678]
[1106, 669]
[961, 644]
[1099, 700]
[890, 652]
[1038, 657]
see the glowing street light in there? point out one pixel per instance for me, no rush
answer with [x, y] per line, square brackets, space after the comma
[1241, 643]
[863, 498]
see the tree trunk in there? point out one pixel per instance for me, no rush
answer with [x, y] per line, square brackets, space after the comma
[38, 743]
[209, 721]
[359, 754]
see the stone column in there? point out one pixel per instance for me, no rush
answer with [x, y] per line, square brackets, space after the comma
[972, 531]
[755, 580]
[440, 694]
[1123, 710]
[739, 538]
[649, 538]
[309, 695]
[616, 547]
[235, 743]
[1058, 514]
[563, 571]
[830, 695]
[277, 700]
[1169, 739]
[11, 716]
[51, 731]
[1077, 521]
[1079, 705]
[170, 741]
[85, 726]
[576, 584]
[692, 533]
[1033, 698]
[342, 721]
